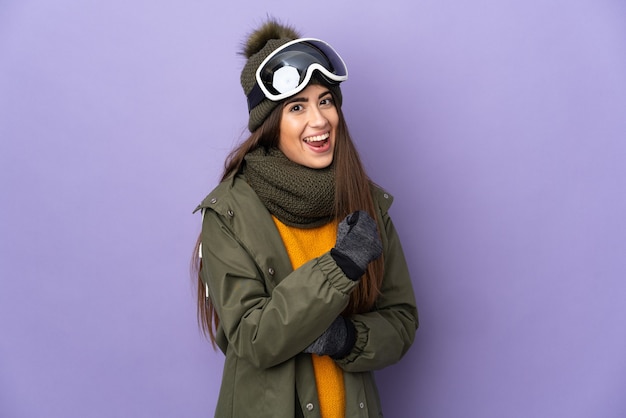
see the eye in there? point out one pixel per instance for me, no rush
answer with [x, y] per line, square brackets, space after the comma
[327, 101]
[295, 108]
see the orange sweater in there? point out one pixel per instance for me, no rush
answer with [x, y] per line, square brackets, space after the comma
[303, 245]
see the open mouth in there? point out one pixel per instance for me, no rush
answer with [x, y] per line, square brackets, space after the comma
[317, 140]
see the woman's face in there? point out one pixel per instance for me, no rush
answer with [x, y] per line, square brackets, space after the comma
[308, 126]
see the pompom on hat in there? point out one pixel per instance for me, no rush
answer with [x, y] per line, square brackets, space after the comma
[259, 45]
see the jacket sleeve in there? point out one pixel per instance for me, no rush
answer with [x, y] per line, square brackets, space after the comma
[265, 323]
[385, 334]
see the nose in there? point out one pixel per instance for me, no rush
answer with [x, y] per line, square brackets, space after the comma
[317, 119]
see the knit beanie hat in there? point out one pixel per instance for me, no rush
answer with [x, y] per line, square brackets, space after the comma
[259, 45]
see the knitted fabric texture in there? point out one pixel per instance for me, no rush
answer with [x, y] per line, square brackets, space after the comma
[358, 240]
[297, 195]
[334, 342]
[248, 79]
[303, 245]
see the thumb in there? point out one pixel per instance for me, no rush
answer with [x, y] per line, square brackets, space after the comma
[353, 218]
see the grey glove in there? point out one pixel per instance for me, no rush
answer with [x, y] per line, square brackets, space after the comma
[336, 341]
[357, 244]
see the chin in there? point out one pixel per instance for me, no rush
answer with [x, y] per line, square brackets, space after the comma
[319, 164]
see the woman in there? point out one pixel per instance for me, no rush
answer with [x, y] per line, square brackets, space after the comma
[302, 280]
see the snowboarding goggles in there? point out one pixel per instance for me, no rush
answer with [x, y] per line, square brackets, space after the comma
[288, 69]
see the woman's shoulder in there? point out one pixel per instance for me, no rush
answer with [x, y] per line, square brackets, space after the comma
[227, 193]
[382, 198]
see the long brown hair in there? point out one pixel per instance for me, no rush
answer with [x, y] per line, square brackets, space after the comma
[352, 193]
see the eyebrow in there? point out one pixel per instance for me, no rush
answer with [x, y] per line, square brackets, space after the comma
[300, 99]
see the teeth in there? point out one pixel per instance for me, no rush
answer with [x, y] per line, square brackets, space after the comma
[317, 138]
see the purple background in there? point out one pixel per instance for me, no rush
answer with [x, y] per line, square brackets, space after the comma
[500, 127]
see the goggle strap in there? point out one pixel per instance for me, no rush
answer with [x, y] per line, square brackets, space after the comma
[255, 97]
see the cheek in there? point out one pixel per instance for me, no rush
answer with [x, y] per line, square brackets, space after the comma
[333, 118]
[289, 138]
[287, 133]
[284, 131]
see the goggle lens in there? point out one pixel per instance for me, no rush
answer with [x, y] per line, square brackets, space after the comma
[288, 69]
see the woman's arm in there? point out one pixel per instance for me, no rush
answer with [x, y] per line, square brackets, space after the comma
[264, 324]
[385, 334]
